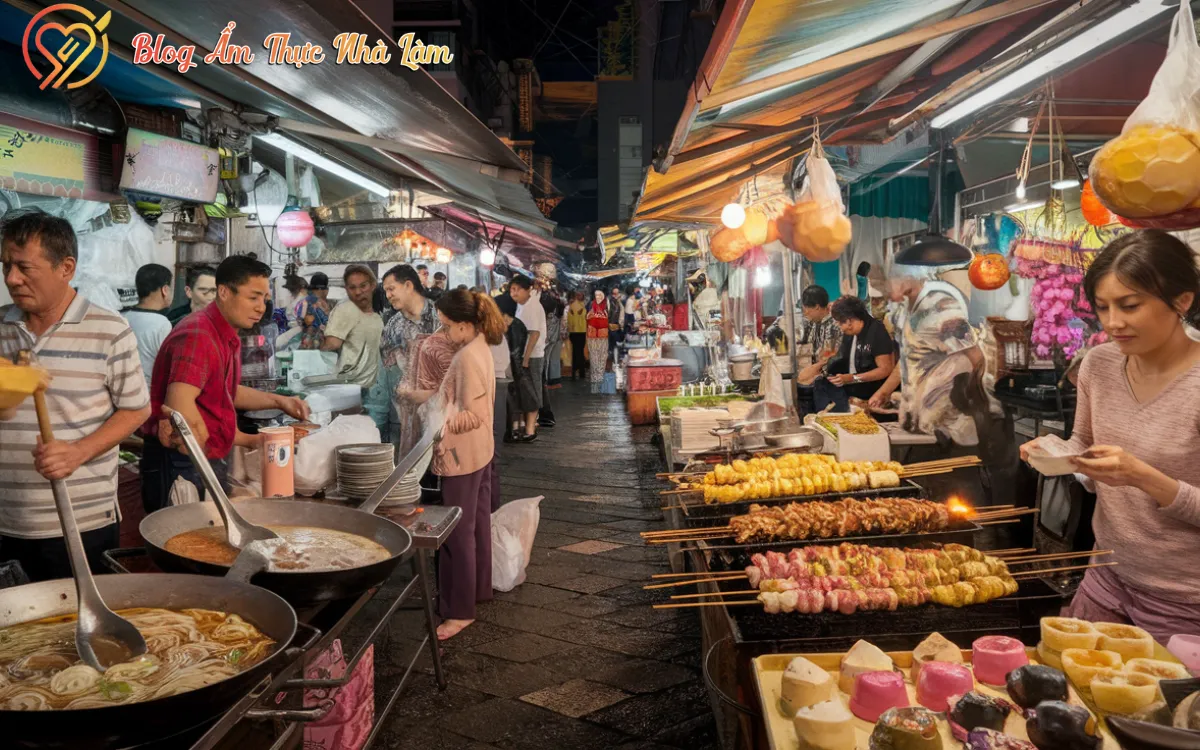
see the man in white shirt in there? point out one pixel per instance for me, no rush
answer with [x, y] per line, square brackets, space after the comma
[355, 329]
[533, 316]
[147, 319]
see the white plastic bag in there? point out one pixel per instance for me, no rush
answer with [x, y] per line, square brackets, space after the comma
[513, 527]
[1174, 97]
[315, 465]
[817, 226]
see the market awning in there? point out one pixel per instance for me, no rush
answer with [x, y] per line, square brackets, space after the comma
[424, 133]
[774, 66]
[526, 245]
[614, 239]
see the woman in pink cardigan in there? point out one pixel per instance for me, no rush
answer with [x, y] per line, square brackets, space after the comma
[1137, 424]
[473, 323]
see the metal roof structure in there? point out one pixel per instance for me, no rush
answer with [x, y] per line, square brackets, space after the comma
[869, 71]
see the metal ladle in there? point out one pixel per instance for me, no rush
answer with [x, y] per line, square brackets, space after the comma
[238, 531]
[102, 637]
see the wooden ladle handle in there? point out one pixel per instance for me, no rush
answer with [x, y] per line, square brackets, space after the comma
[43, 415]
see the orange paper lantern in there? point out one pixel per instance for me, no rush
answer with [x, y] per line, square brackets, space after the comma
[1094, 212]
[728, 245]
[989, 271]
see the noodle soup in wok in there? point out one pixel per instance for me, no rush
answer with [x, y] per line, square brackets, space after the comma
[185, 650]
[303, 548]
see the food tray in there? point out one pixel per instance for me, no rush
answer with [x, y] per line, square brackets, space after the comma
[781, 735]
[1018, 616]
[721, 557]
[701, 514]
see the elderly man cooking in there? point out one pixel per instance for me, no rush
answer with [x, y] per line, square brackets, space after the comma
[97, 398]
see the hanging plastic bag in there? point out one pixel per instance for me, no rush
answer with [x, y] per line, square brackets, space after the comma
[820, 229]
[513, 527]
[315, 464]
[1150, 174]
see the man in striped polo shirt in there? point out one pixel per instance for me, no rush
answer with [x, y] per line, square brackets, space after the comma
[97, 397]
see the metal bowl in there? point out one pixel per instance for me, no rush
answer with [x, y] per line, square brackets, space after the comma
[803, 439]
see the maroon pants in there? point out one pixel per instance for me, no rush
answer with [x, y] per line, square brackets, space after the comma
[465, 567]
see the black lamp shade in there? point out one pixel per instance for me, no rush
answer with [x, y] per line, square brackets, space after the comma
[933, 250]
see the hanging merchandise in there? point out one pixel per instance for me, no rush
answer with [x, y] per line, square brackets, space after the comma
[294, 227]
[1094, 212]
[757, 229]
[1150, 173]
[988, 271]
[820, 229]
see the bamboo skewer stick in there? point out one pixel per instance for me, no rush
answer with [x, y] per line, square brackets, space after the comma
[997, 523]
[677, 532]
[706, 604]
[1058, 556]
[715, 593]
[1009, 551]
[689, 583]
[1005, 514]
[1029, 574]
[658, 576]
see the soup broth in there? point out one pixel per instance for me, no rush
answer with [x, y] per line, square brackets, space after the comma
[305, 548]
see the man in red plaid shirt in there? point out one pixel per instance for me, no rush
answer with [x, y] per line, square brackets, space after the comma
[197, 373]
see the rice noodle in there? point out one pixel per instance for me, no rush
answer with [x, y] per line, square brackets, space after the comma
[40, 670]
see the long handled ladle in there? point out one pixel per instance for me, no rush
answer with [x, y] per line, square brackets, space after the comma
[238, 531]
[102, 637]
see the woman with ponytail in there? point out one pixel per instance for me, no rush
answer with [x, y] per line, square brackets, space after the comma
[473, 323]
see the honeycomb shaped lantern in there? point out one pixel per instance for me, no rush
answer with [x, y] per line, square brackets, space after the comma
[1149, 171]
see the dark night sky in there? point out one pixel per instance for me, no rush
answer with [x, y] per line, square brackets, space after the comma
[560, 36]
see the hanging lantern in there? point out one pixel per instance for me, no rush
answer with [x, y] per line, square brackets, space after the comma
[988, 271]
[1094, 212]
[294, 228]
[443, 255]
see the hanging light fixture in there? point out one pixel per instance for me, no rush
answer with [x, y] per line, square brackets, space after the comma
[487, 257]
[933, 249]
[733, 215]
[1072, 176]
[762, 277]
[443, 255]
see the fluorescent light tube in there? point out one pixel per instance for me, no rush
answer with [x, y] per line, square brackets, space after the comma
[1014, 208]
[1066, 184]
[1070, 50]
[323, 162]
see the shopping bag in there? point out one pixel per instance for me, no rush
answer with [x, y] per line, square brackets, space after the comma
[1150, 174]
[514, 526]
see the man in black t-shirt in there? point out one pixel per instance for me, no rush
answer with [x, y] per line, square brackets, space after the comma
[864, 360]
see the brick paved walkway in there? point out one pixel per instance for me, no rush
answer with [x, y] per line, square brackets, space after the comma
[573, 658]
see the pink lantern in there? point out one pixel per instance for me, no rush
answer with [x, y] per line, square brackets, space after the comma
[294, 228]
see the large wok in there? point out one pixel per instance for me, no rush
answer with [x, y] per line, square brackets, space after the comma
[135, 723]
[297, 587]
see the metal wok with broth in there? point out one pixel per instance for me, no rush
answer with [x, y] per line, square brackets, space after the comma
[296, 586]
[40, 669]
[130, 723]
[303, 548]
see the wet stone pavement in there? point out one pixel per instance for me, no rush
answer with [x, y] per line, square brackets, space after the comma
[574, 657]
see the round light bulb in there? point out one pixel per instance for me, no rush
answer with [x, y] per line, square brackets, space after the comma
[1021, 190]
[733, 215]
[487, 256]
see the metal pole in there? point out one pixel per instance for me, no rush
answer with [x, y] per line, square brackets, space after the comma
[789, 321]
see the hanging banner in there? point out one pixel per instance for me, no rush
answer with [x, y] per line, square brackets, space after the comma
[41, 164]
[170, 167]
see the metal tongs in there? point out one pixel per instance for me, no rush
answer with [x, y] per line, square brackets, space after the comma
[238, 531]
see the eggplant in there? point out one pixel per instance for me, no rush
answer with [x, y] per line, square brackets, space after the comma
[1058, 725]
[1033, 683]
[990, 739]
[908, 728]
[977, 711]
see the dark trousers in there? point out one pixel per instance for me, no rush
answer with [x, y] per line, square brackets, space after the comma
[465, 564]
[826, 393]
[578, 347]
[161, 466]
[46, 559]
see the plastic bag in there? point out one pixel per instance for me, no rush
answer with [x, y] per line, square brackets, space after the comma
[315, 463]
[513, 529]
[1151, 172]
[818, 226]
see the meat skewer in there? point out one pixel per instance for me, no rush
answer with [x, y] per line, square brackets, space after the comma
[846, 517]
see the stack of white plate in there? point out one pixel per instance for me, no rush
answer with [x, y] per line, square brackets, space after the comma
[362, 467]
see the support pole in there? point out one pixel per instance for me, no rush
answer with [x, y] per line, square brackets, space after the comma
[789, 321]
